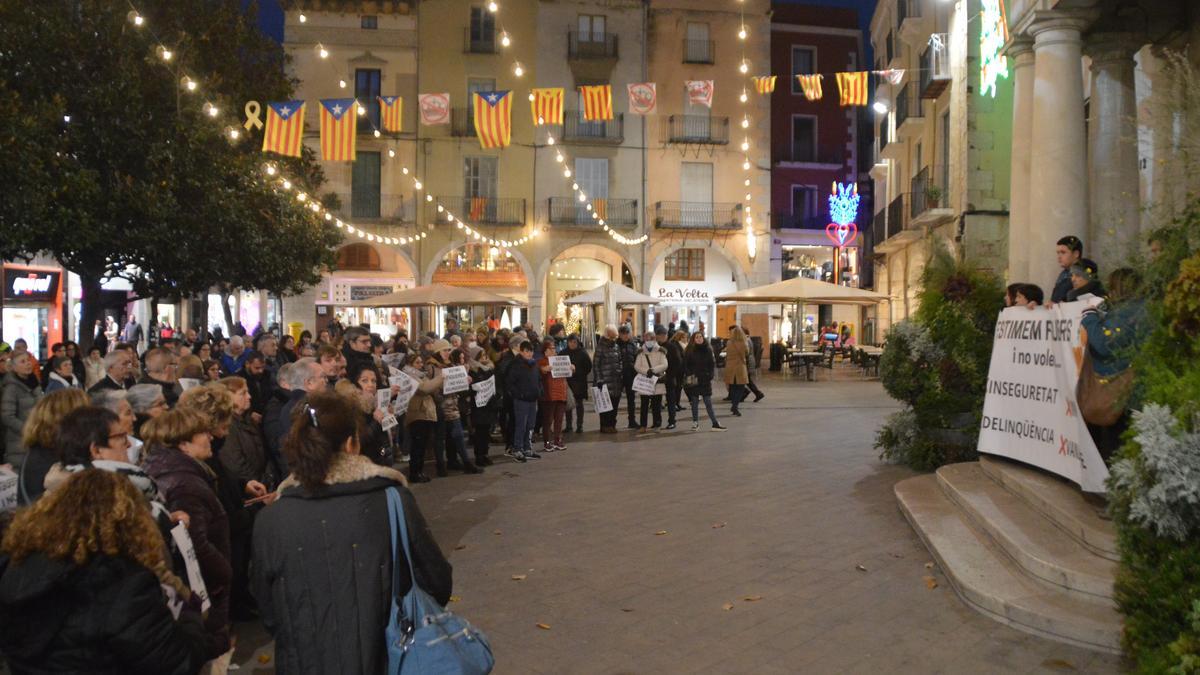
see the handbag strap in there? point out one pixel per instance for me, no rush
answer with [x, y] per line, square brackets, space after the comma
[397, 521]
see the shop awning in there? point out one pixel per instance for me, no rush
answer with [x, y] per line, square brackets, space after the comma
[620, 295]
[435, 295]
[807, 291]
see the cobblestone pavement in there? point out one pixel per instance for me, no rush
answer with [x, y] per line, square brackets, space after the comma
[776, 547]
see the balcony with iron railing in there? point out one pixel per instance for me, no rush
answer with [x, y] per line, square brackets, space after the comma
[578, 130]
[462, 121]
[697, 215]
[620, 213]
[589, 46]
[930, 200]
[808, 154]
[484, 210]
[910, 120]
[702, 129]
[798, 221]
[476, 43]
[369, 204]
[699, 51]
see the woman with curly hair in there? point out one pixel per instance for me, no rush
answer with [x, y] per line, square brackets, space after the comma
[38, 436]
[82, 586]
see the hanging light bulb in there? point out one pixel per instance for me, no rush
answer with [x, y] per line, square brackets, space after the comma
[504, 39]
[303, 19]
[135, 18]
[549, 139]
[417, 184]
[745, 145]
[558, 158]
[582, 197]
[270, 169]
[742, 33]
[428, 198]
[745, 122]
[493, 7]
[322, 52]
[566, 173]
[165, 54]
[441, 208]
[361, 111]
[391, 152]
[287, 185]
[188, 83]
[745, 67]
[575, 187]
[233, 134]
[749, 196]
[211, 109]
[342, 84]
[743, 98]
[746, 165]
[518, 69]
[747, 182]
[531, 98]
[404, 170]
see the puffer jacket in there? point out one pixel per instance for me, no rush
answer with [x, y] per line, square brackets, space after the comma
[422, 407]
[578, 382]
[189, 485]
[16, 401]
[628, 351]
[524, 380]
[698, 361]
[606, 366]
[105, 617]
[322, 568]
[653, 363]
[735, 363]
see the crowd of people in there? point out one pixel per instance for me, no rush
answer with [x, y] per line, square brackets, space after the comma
[126, 459]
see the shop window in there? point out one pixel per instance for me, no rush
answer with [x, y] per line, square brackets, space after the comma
[358, 257]
[804, 62]
[686, 264]
[366, 92]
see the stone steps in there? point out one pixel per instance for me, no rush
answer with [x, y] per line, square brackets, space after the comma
[1058, 500]
[1006, 559]
[1030, 540]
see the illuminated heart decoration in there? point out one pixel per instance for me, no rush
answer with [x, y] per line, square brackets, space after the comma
[841, 235]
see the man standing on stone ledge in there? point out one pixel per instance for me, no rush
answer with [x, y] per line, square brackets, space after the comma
[1069, 250]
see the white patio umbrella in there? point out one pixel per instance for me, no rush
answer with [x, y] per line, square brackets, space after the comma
[801, 291]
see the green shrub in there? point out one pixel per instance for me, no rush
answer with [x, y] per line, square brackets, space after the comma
[937, 363]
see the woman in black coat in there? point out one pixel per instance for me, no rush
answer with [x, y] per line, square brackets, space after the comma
[322, 555]
[698, 369]
[578, 381]
[76, 597]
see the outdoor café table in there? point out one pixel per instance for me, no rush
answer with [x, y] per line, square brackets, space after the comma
[806, 358]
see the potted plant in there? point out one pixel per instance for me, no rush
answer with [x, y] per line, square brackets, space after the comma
[933, 195]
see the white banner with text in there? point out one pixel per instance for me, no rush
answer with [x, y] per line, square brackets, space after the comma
[1030, 413]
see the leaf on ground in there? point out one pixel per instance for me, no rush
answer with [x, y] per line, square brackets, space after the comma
[897, 555]
[660, 533]
[454, 598]
[929, 565]
[460, 547]
[1059, 664]
[717, 526]
[519, 577]
[752, 598]
[626, 609]
[496, 532]
[860, 567]
[930, 583]
[544, 626]
[727, 606]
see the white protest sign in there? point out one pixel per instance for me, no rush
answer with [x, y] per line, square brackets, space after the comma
[408, 387]
[484, 391]
[8, 490]
[388, 422]
[1030, 413]
[560, 366]
[382, 398]
[644, 385]
[601, 400]
[183, 541]
[455, 380]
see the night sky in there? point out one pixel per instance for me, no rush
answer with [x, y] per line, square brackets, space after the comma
[270, 16]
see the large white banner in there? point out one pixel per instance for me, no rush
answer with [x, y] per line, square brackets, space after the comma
[1030, 413]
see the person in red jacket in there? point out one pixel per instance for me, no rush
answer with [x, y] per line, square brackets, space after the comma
[554, 399]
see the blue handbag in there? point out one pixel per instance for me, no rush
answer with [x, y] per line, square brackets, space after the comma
[422, 636]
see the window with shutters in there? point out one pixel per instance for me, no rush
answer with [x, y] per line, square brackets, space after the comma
[357, 257]
[686, 264]
[366, 92]
[364, 185]
[483, 30]
[479, 177]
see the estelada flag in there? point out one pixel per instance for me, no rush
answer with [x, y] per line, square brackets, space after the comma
[391, 110]
[546, 106]
[811, 85]
[493, 118]
[764, 84]
[643, 98]
[853, 88]
[700, 92]
[285, 128]
[339, 129]
[597, 102]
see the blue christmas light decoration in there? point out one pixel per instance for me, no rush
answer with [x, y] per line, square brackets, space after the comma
[843, 210]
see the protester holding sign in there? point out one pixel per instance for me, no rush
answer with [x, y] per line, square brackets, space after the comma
[554, 394]
[374, 442]
[420, 418]
[651, 365]
[452, 409]
[578, 382]
[83, 587]
[486, 403]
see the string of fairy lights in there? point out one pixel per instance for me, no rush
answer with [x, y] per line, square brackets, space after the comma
[271, 170]
[744, 67]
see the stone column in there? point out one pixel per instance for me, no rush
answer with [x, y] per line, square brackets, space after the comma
[1112, 152]
[1058, 196]
[1020, 54]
